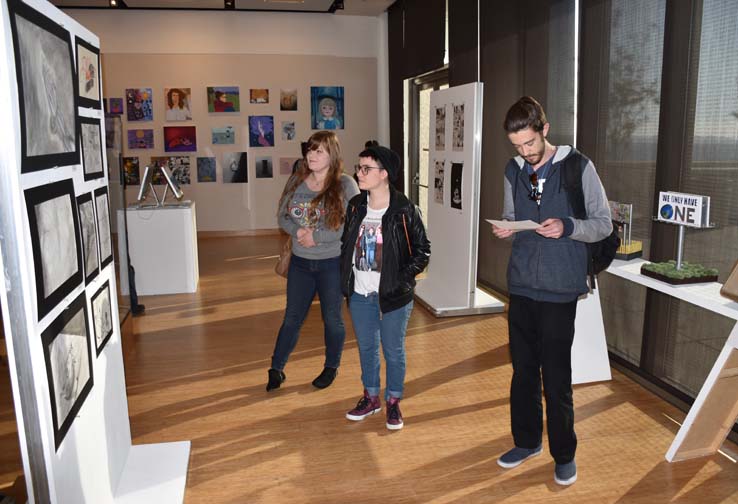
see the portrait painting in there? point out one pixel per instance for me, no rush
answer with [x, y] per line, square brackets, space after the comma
[288, 130]
[102, 209]
[116, 106]
[140, 139]
[457, 136]
[224, 136]
[180, 139]
[438, 182]
[440, 136]
[223, 99]
[261, 131]
[131, 171]
[286, 164]
[102, 316]
[66, 344]
[288, 99]
[264, 167]
[88, 226]
[139, 104]
[259, 95]
[178, 104]
[235, 168]
[326, 107]
[88, 74]
[457, 171]
[47, 90]
[57, 251]
[92, 148]
[206, 169]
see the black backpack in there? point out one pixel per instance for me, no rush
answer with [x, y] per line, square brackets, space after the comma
[601, 253]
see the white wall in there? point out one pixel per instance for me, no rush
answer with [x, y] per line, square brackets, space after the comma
[251, 50]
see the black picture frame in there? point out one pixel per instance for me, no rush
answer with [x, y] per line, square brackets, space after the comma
[103, 329]
[83, 100]
[90, 244]
[46, 205]
[92, 148]
[103, 226]
[62, 349]
[47, 71]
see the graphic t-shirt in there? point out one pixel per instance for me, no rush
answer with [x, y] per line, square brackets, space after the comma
[368, 253]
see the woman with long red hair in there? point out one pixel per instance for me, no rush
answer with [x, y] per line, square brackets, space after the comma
[312, 210]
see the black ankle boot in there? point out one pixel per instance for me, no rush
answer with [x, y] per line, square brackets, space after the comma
[325, 378]
[275, 379]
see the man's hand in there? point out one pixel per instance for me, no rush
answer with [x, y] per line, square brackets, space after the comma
[551, 228]
[305, 237]
[502, 233]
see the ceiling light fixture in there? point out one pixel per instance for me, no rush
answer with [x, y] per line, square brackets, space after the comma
[113, 3]
[336, 5]
[230, 4]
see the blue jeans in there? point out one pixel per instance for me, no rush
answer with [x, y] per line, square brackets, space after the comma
[390, 329]
[305, 277]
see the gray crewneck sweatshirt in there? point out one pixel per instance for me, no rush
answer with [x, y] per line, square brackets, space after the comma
[297, 212]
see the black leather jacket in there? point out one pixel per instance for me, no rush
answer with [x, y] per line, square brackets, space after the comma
[402, 260]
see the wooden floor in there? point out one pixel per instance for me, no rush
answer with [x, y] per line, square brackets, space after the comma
[197, 370]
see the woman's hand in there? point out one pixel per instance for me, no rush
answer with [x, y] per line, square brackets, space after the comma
[305, 237]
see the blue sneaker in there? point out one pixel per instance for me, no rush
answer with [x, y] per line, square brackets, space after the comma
[565, 474]
[517, 456]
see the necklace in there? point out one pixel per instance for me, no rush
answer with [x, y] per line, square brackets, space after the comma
[314, 185]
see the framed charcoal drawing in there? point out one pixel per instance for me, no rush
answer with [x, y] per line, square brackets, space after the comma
[103, 226]
[47, 90]
[68, 359]
[88, 73]
[92, 148]
[88, 227]
[102, 316]
[57, 252]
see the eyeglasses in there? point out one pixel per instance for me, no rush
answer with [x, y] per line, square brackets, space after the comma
[364, 169]
[534, 194]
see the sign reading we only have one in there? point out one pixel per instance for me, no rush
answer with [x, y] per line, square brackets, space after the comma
[684, 209]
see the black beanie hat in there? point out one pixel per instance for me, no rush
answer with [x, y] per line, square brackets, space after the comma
[387, 158]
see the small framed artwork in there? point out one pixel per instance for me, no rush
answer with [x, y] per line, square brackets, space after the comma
[116, 106]
[57, 251]
[139, 103]
[102, 316]
[264, 167]
[178, 104]
[47, 90]
[223, 136]
[68, 359]
[131, 171]
[88, 226]
[180, 139]
[288, 130]
[140, 139]
[223, 99]
[88, 74]
[288, 99]
[259, 96]
[261, 131]
[326, 107]
[103, 226]
[92, 148]
[235, 168]
[206, 169]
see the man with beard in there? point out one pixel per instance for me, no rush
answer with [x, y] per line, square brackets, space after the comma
[546, 275]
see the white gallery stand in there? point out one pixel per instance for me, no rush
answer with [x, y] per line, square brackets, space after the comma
[154, 473]
[589, 358]
[715, 409]
[450, 286]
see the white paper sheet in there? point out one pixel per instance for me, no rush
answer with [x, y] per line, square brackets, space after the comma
[515, 225]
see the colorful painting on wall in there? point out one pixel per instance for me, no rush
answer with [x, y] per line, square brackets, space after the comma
[206, 169]
[131, 171]
[288, 130]
[288, 99]
[116, 106]
[224, 136]
[326, 107]
[259, 96]
[264, 167]
[235, 168]
[261, 131]
[180, 139]
[139, 104]
[178, 104]
[223, 99]
[157, 162]
[140, 139]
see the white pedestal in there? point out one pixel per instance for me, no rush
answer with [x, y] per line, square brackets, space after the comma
[154, 474]
[162, 249]
[589, 359]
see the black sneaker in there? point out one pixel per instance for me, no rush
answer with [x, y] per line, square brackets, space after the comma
[325, 378]
[275, 379]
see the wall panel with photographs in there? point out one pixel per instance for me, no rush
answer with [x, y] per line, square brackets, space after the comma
[68, 382]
